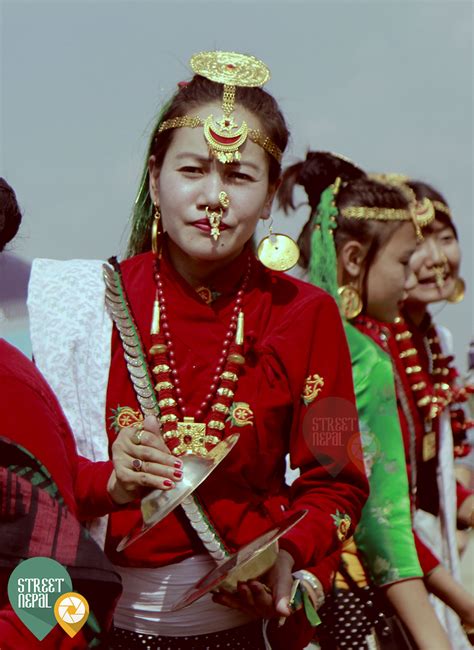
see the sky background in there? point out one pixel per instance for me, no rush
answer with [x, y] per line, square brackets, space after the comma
[388, 84]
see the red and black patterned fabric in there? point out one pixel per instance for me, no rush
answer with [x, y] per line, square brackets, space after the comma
[35, 522]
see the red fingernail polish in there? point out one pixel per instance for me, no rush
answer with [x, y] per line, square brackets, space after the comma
[178, 473]
[178, 463]
[168, 483]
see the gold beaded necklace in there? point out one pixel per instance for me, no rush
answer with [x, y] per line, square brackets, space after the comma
[199, 433]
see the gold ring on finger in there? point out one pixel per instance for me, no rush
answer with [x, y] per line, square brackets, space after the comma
[137, 436]
[137, 464]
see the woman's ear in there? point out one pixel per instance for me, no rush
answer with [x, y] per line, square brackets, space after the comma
[267, 208]
[153, 175]
[352, 257]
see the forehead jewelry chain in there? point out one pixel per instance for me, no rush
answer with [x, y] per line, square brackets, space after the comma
[225, 136]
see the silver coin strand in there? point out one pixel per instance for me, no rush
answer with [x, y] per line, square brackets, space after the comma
[139, 374]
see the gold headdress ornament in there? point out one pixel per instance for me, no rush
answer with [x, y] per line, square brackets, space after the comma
[421, 212]
[400, 180]
[224, 136]
[442, 207]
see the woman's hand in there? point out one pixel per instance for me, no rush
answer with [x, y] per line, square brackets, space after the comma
[141, 460]
[410, 601]
[442, 584]
[465, 515]
[265, 598]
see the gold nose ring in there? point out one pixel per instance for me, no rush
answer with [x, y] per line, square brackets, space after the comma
[439, 273]
[214, 218]
[224, 200]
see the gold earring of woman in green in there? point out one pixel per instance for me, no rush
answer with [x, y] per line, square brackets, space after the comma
[351, 301]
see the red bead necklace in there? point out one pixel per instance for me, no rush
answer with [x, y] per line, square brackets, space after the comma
[441, 389]
[432, 389]
[199, 433]
[396, 338]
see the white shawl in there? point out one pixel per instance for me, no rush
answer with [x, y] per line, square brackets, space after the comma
[71, 338]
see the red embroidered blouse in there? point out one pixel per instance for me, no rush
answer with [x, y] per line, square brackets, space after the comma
[33, 418]
[292, 331]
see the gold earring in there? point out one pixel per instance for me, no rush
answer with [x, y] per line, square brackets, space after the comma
[278, 252]
[458, 292]
[155, 230]
[224, 200]
[351, 302]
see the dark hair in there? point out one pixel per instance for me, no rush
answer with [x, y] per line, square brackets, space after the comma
[10, 215]
[422, 191]
[189, 97]
[315, 174]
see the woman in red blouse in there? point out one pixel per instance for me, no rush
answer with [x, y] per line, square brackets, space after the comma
[206, 342]
[46, 489]
[436, 399]
[422, 374]
[357, 244]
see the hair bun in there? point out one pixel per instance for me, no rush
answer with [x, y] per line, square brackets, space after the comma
[321, 168]
[10, 215]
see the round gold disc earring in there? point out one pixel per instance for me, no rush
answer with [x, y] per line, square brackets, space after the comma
[278, 252]
[351, 302]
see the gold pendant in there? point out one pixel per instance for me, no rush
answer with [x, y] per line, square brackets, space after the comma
[224, 138]
[205, 293]
[278, 252]
[192, 437]
[429, 446]
[214, 219]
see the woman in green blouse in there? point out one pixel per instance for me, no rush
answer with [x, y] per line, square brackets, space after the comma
[358, 242]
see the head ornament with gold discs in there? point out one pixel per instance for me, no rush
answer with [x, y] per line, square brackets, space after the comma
[223, 135]
[229, 78]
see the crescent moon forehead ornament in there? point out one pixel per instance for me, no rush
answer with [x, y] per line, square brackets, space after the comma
[224, 136]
